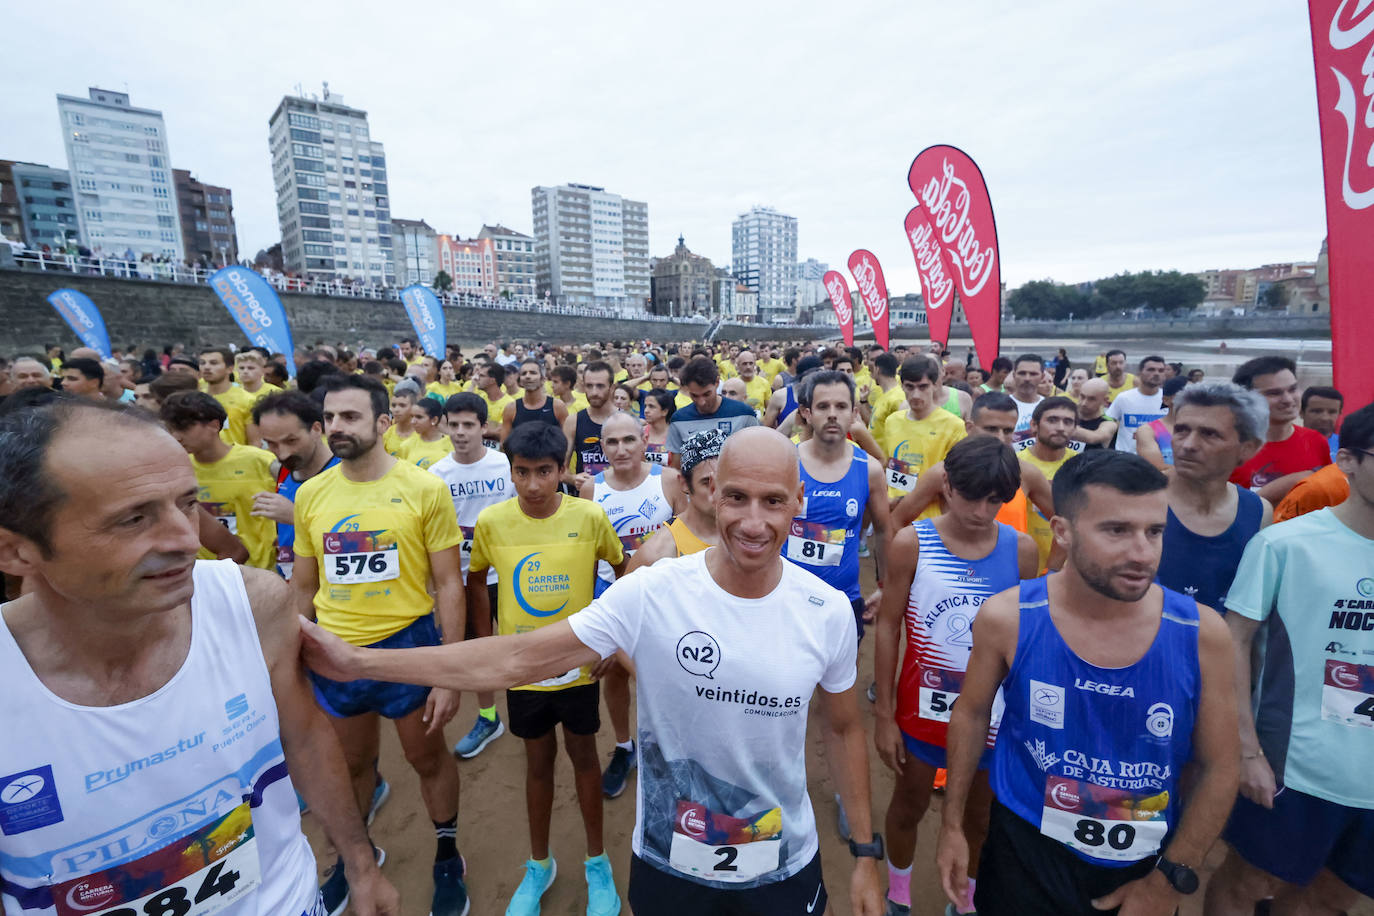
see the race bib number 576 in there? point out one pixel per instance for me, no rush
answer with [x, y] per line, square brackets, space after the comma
[353, 557]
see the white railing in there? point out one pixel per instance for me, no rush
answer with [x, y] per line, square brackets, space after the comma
[172, 272]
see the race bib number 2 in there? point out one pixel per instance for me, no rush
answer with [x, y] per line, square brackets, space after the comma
[1348, 694]
[718, 847]
[353, 557]
[197, 875]
[1110, 824]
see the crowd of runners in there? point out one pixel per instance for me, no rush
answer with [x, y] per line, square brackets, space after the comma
[1150, 592]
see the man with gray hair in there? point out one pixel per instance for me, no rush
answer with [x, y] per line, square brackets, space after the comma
[29, 372]
[1217, 428]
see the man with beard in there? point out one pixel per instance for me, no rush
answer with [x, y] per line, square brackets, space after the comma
[1135, 407]
[1050, 445]
[583, 428]
[1025, 382]
[1112, 684]
[536, 405]
[724, 822]
[371, 532]
[292, 428]
[1290, 453]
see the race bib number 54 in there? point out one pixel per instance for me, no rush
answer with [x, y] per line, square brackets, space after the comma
[900, 475]
[353, 557]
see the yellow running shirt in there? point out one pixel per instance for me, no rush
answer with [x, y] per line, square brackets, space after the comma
[442, 391]
[545, 567]
[757, 391]
[262, 392]
[226, 489]
[393, 441]
[1126, 385]
[915, 446]
[422, 454]
[372, 542]
[239, 405]
[884, 403]
[1037, 526]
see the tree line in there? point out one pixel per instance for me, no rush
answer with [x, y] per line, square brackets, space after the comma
[1159, 291]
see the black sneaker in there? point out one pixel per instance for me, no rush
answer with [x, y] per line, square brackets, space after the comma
[618, 771]
[334, 890]
[450, 893]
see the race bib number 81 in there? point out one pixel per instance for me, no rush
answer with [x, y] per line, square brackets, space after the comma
[815, 545]
[353, 557]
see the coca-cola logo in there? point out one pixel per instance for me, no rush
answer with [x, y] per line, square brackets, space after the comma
[866, 275]
[935, 283]
[973, 259]
[1352, 24]
[839, 297]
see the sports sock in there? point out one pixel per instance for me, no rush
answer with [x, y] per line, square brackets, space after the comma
[899, 884]
[446, 832]
[597, 858]
[627, 745]
[488, 713]
[545, 863]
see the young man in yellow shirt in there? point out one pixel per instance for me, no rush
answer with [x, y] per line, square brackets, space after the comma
[228, 476]
[918, 438]
[1051, 444]
[544, 547]
[215, 363]
[249, 366]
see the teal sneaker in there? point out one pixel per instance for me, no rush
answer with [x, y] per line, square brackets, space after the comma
[481, 734]
[380, 794]
[525, 901]
[602, 899]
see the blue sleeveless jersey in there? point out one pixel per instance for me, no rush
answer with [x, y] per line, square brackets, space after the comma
[824, 539]
[1092, 755]
[789, 405]
[1203, 567]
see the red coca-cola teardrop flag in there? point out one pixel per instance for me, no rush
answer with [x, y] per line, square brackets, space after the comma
[951, 189]
[937, 277]
[868, 276]
[1343, 51]
[838, 291]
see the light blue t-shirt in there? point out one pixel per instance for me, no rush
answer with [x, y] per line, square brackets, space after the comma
[1310, 581]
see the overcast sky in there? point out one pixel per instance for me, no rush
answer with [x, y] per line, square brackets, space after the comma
[1151, 136]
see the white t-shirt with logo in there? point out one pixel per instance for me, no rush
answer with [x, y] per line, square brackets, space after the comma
[723, 691]
[1024, 411]
[473, 487]
[1132, 410]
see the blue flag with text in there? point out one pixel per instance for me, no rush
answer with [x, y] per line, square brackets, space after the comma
[426, 317]
[83, 317]
[256, 309]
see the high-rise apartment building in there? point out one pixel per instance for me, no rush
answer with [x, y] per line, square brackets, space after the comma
[514, 261]
[119, 159]
[44, 206]
[414, 246]
[810, 277]
[332, 199]
[590, 247]
[764, 258]
[470, 264]
[207, 221]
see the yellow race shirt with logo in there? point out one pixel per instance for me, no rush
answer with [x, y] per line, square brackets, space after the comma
[442, 391]
[372, 542]
[1037, 526]
[226, 489]
[393, 441]
[757, 391]
[239, 405]
[545, 567]
[884, 403]
[422, 454]
[914, 447]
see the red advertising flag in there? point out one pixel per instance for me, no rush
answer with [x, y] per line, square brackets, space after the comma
[838, 289]
[868, 275]
[1343, 50]
[951, 189]
[937, 277]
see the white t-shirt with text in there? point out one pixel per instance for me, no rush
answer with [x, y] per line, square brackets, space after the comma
[1132, 410]
[473, 487]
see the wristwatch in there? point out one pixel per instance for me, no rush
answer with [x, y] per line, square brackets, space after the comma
[873, 850]
[1183, 878]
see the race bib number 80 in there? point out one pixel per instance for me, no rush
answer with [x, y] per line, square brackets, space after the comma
[354, 557]
[1109, 824]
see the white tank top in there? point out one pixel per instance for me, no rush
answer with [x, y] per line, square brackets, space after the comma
[634, 514]
[178, 802]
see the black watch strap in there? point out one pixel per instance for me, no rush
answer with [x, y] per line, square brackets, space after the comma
[1183, 878]
[873, 850]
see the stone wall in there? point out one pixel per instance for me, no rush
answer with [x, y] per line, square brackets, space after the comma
[153, 314]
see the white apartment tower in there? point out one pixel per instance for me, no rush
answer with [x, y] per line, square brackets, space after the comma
[764, 258]
[117, 154]
[590, 247]
[332, 200]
